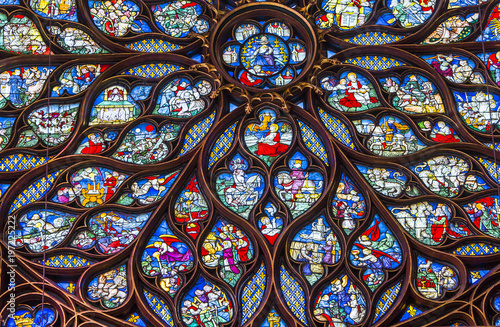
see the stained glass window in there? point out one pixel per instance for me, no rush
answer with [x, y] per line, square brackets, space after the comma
[250, 163]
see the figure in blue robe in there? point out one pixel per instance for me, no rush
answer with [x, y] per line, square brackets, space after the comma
[16, 86]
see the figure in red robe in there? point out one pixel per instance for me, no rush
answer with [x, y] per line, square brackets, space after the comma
[249, 80]
[94, 145]
[243, 246]
[494, 66]
[110, 183]
[270, 145]
[270, 229]
[438, 228]
[443, 134]
[441, 138]
[357, 94]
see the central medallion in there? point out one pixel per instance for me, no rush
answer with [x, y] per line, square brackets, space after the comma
[264, 55]
[263, 46]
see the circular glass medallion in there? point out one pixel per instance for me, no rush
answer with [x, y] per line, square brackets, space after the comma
[263, 46]
[264, 55]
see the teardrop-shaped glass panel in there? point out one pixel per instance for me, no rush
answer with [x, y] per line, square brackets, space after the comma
[112, 231]
[226, 247]
[54, 124]
[443, 175]
[315, 245]
[110, 287]
[348, 204]
[427, 222]
[95, 185]
[351, 92]
[299, 187]
[341, 302]
[145, 144]
[167, 256]
[191, 207]
[377, 250]
[240, 189]
[270, 224]
[433, 279]
[268, 138]
[153, 188]
[41, 229]
[24, 84]
[386, 181]
[484, 214]
[206, 304]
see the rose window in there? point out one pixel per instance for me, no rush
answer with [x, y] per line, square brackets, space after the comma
[250, 163]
